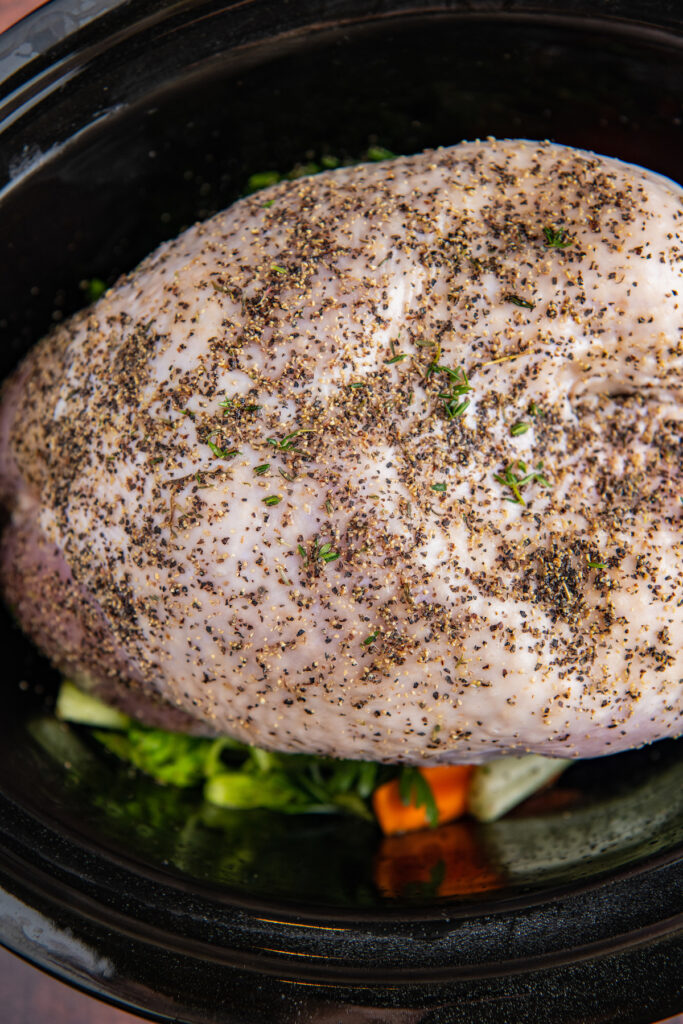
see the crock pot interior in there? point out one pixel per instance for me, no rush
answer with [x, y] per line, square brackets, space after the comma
[145, 129]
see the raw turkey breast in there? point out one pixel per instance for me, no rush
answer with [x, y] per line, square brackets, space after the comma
[383, 463]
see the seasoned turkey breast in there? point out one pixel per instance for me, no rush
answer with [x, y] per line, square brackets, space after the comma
[383, 463]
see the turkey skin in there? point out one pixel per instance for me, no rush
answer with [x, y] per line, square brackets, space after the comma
[384, 463]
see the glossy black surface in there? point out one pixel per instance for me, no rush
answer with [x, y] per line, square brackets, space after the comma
[114, 138]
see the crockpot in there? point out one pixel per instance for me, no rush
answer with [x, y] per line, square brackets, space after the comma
[121, 122]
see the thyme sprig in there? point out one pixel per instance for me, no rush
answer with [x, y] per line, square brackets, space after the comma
[454, 404]
[221, 453]
[414, 789]
[556, 239]
[321, 552]
[515, 300]
[510, 478]
[237, 404]
[519, 428]
[288, 442]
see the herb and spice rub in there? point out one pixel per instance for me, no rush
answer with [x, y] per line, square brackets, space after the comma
[382, 463]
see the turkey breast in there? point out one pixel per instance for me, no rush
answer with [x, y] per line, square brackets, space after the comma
[383, 463]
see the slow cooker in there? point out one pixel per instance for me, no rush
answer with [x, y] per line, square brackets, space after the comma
[121, 122]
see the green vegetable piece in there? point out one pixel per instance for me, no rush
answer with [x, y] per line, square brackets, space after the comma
[498, 786]
[171, 758]
[73, 705]
[240, 790]
[377, 153]
[262, 180]
[94, 288]
[303, 170]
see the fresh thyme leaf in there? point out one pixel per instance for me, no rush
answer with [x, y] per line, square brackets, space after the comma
[454, 409]
[534, 410]
[371, 638]
[396, 359]
[510, 478]
[439, 487]
[328, 507]
[221, 453]
[324, 552]
[377, 153]
[358, 384]
[524, 303]
[285, 474]
[287, 442]
[454, 404]
[556, 239]
[302, 551]
[519, 428]
[272, 499]
[596, 565]
[262, 180]
[278, 269]
[263, 468]
[414, 789]
[156, 461]
[94, 288]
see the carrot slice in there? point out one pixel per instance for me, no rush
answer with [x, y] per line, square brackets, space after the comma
[448, 783]
[449, 861]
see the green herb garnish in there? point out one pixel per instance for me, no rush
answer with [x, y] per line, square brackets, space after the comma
[278, 269]
[94, 288]
[396, 359]
[519, 428]
[377, 153]
[324, 552]
[221, 453]
[263, 468]
[454, 404]
[272, 499]
[596, 565]
[286, 443]
[524, 303]
[510, 478]
[556, 239]
[371, 638]
[262, 180]
[439, 487]
[414, 789]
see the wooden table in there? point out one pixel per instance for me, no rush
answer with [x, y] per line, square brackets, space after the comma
[27, 996]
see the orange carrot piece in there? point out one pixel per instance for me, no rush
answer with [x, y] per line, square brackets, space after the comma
[449, 784]
[449, 861]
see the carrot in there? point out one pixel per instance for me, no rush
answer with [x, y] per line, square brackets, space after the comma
[448, 783]
[449, 861]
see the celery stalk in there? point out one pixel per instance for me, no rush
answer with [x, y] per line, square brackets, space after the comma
[498, 786]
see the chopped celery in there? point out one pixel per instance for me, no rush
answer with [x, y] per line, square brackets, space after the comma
[83, 709]
[172, 758]
[498, 786]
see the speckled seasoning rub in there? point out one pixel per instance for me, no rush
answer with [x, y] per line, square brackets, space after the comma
[382, 463]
